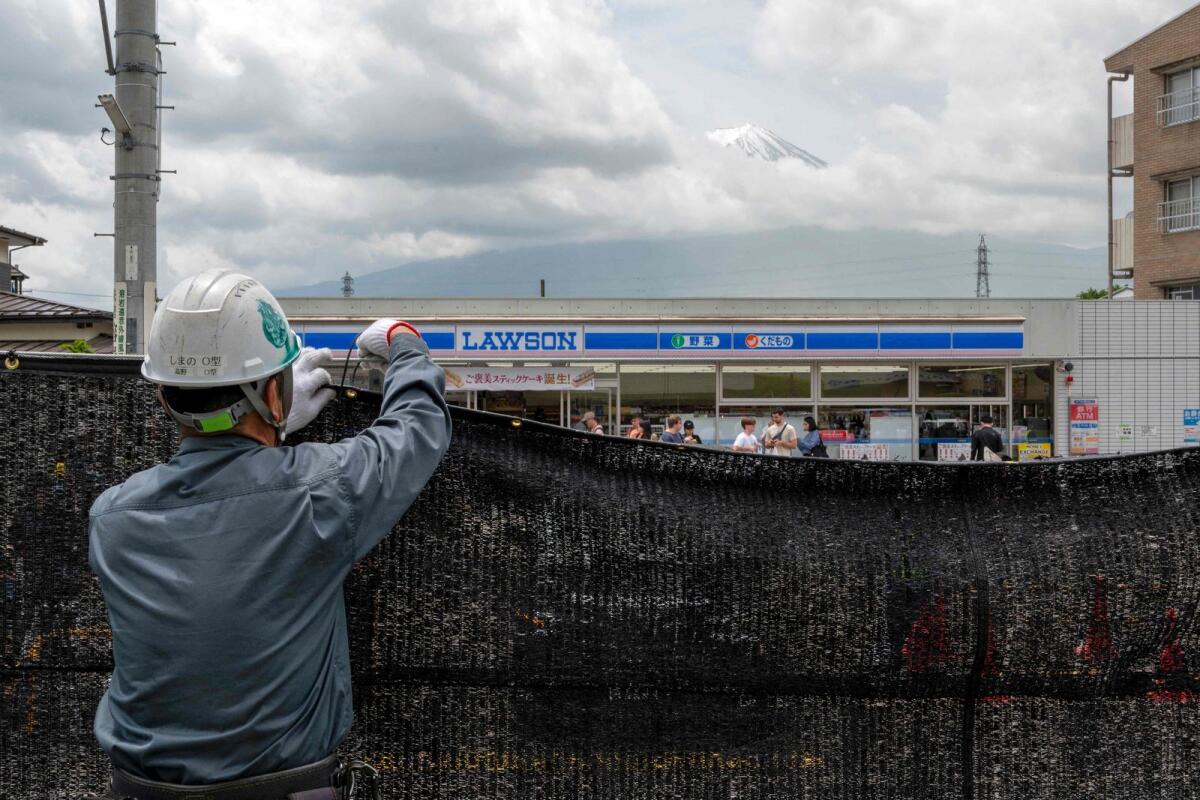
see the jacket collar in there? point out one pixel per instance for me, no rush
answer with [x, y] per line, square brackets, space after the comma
[196, 444]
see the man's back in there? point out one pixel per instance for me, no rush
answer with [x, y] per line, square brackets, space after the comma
[985, 437]
[222, 571]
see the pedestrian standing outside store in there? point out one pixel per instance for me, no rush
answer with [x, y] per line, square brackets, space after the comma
[689, 433]
[635, 427]
[590, 424]
[810, 442]
[647, 431]
[780, 437]
[746, 442]
[672, 435]
[985, 440]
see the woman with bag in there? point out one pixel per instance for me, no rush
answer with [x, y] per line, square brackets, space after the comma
[810, 442]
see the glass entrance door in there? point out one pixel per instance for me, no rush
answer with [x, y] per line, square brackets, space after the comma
[599, 401]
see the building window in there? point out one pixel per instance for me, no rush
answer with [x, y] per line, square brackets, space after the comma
[655, 391]
[960, 381]
[1191, 292]
[731, 420]
[1180, 210]
[875, 433]
[1033, 411]
[1181, 103]
[864, 381]
[766, 382]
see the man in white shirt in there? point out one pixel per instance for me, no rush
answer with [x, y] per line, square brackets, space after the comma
[591, 424]
[745, 441]
[780, 437]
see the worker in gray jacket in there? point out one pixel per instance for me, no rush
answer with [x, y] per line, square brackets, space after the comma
[222, 569]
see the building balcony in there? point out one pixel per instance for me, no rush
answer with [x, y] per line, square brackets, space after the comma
[1179, 215]
[1123, 247]
[1121, 143]
[1179, 107]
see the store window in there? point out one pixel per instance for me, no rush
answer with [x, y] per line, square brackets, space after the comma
[1033, 411]
[874, 433]
[944, 432]
[539, 406]
[960, 381]
[656, 391]
[600, 400]
[731, 420]
[763, 382]
[864, 381]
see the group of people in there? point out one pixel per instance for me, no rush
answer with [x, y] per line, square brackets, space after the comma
[780, 438]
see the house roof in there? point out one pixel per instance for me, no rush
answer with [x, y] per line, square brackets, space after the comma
[23, 307]
[25, 238]
[101, 343]
[1183, 13]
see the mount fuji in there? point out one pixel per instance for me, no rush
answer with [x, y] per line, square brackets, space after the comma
[761, 143]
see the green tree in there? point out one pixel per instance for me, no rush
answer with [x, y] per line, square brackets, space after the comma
[77, 346]
[1093, 294]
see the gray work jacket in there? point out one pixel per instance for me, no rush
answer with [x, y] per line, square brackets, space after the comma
[222, 571]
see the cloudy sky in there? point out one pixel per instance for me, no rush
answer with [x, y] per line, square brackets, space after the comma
[308, 142]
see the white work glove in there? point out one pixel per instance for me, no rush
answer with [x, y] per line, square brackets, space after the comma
[374, 340]
[310, 387]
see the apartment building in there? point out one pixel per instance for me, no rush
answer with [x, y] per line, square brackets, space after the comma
[1158, 147]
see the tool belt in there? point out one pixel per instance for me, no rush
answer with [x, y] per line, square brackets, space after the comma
[333, 778]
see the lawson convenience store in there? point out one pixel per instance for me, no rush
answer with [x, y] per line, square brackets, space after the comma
[896, 379]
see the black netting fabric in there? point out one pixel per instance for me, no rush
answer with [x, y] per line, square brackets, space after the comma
[563, 615]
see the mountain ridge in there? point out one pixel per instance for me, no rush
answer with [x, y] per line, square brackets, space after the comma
[802, 261]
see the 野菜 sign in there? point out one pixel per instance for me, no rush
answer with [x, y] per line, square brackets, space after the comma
[501, 379]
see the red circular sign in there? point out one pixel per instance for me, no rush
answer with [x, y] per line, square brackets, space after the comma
[751, 340]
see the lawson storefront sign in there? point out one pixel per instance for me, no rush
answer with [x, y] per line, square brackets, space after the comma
[725, 342]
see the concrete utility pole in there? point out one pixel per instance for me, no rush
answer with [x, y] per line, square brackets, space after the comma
[982, 287]
[135, 273]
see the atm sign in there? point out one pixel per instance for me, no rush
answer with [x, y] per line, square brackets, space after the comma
[770, 341]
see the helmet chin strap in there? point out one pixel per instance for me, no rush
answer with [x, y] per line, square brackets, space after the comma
[226, 419]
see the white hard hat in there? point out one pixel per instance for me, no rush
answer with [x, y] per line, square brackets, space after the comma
[220, 328]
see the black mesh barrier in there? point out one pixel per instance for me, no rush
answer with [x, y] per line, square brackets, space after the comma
[564, 615]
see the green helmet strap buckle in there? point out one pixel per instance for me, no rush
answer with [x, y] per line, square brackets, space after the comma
[214, 423]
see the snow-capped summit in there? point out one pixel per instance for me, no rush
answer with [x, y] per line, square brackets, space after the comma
[761, 143]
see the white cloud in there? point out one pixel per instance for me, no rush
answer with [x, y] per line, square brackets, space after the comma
[309, 143]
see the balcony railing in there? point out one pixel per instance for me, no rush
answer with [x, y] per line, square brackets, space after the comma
[1179, 215]
[1122, 142]
[1179, 107]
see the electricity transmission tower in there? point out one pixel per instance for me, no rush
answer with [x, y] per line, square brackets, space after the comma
[347, 285]
[982, 287]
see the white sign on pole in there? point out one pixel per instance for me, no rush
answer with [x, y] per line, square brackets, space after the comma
[509, 379]
[131, 262]
[120, 296]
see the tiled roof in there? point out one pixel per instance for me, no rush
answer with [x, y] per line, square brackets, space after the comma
[102, 343]
[25, 307]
